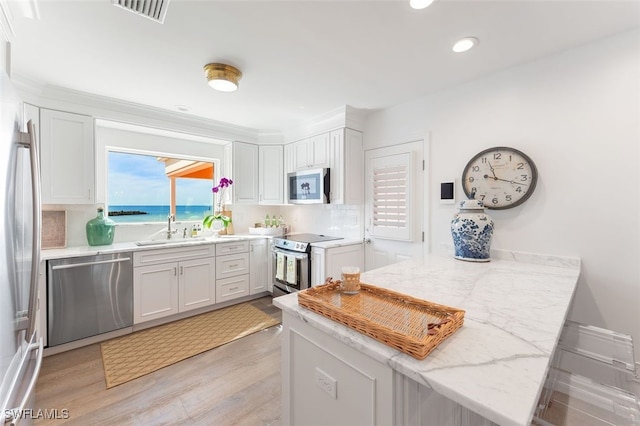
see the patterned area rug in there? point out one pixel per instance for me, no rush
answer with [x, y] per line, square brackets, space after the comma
[134, 355]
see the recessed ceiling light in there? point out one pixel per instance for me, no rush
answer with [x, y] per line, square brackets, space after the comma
[420, 4]
[464, 44]
[182, 108]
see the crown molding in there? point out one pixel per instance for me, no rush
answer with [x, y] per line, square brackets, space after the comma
[6, 21]
[131, 113]
[337, 118]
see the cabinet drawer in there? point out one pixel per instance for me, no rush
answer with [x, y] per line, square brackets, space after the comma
[232, 265]
[150, 257]
[231, 248]
[232, 288]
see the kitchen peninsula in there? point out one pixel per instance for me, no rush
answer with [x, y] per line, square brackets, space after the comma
[490, 370]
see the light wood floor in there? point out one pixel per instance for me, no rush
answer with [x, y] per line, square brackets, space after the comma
[235, 384]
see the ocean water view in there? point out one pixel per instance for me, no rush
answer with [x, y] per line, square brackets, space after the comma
[139, 214]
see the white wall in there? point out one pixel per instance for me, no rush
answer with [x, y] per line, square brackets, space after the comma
[577, 115]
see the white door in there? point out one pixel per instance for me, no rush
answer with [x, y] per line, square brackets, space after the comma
[394, 204]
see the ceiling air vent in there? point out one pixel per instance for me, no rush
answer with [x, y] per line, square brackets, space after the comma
[152, 9]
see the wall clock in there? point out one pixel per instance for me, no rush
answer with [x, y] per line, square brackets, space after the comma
[500, 177]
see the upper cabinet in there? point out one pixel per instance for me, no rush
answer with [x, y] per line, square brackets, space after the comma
[67, 158]
[257, 173]
[241, 165]
[347, 167]
[340, 150]
[312, 153]
[271, 174]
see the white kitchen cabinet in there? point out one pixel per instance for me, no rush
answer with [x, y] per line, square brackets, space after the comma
[232, 265]
[67, 158]
[232, 270]
[328, 262]
[347, 167]
[244, 169]
[271, 174]
[328, 381]
[232, 288]
[170, 281]
[155, 292]
[317, 266]
[313, 152]
[258, 266]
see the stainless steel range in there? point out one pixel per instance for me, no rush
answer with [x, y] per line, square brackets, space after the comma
[292, 261]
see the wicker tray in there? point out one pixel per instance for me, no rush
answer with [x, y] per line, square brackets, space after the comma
[408, 324]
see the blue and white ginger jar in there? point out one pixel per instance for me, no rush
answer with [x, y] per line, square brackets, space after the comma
[472, 230]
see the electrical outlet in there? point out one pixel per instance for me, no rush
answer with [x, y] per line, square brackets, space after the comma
[327, 383]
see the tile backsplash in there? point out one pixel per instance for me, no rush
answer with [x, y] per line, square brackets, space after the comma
[329, 219]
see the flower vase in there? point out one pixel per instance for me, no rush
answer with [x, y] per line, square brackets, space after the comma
[229, 229]
[100, 230]
[472, 229]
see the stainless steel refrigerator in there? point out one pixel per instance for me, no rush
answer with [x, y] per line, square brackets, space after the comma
[20, 344]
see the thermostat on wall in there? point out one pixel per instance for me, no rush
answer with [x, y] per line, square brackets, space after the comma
[447, 192]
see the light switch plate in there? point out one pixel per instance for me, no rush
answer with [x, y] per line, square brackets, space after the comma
[327, 383]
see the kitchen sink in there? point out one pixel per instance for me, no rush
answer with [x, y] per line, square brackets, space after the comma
[169, 242]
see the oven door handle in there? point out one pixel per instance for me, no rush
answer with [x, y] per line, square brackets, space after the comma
[299, 256]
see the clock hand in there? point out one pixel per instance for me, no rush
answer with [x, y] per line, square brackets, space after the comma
[505, 180]
[492, 171]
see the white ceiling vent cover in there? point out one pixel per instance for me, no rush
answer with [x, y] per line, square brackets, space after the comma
[155, 10]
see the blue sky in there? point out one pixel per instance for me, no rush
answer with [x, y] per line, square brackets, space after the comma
[138, 180]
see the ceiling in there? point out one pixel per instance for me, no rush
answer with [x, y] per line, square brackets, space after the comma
[299, 58]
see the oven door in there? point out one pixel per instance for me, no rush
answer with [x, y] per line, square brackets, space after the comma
[302, 271]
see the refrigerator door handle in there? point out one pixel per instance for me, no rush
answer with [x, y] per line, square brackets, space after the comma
[29, 141]
[16, 413]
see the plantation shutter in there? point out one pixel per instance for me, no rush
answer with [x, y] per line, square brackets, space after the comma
[392, 189]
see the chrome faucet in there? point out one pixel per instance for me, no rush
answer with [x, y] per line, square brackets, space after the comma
[169, 230]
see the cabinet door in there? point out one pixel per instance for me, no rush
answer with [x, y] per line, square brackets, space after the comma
[337, 257]
[347, 167]
[155, 291]
[271, 174]
[321, 150]
[245, 173]
[302, 154]
[67, 158]
[289, 166]
[317, 267]
[197, 283]
[258, 261]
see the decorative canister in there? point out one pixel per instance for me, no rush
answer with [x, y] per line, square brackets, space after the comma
[100, 229]
[472, 230]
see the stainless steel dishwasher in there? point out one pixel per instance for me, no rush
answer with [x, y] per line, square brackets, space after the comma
[89, 295]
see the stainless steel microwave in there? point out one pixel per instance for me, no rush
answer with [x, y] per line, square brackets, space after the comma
[309, 186]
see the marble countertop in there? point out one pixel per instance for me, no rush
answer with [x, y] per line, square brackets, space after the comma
[132, 246]
[496, 363]
[337, 243]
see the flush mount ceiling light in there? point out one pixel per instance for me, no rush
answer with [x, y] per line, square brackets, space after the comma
[222, 77]
[420, 4]
[464, 44]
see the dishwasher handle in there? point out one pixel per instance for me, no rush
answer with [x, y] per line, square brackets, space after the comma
[97, 262]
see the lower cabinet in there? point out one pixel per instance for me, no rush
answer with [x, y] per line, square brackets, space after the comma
[259, 276]
[328, 262]
[232, 270]
[169, 288]
[327, 382]
[170, 281]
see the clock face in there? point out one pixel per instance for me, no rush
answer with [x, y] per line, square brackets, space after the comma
[500, 177]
